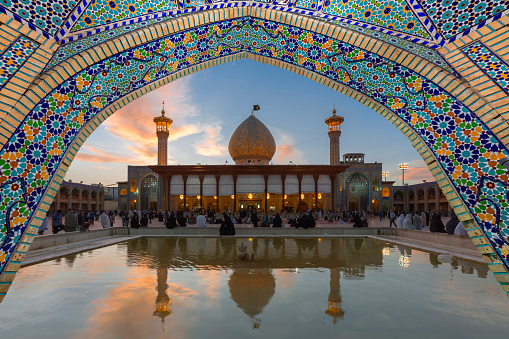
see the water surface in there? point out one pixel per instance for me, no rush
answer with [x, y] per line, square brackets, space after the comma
[294, 288]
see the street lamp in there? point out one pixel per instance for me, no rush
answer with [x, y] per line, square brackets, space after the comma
[385, 175]
[403, 167]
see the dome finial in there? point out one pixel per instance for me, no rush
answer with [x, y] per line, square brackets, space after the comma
[334, 111]
[162, 111]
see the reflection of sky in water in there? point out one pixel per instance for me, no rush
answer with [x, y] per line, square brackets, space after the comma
[291, 290]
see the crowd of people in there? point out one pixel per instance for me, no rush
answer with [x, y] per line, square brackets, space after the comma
[74, 221]
[416, 221]
[82, 220]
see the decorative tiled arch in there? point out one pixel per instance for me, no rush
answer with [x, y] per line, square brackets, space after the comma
[459, 148]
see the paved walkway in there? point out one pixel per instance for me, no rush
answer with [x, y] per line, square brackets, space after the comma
[376, 222]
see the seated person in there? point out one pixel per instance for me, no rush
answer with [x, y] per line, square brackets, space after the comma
[85, 227]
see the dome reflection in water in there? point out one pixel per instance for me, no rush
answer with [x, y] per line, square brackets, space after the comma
[285, 288]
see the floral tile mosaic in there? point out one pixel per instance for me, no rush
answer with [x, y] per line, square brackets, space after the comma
[14, 57]
[466, 149]
[101, 12]
[312, 5]
[48, 15]
[422, 51]
[395, 15]
[494, 67]
[66, 51]
[452, 17]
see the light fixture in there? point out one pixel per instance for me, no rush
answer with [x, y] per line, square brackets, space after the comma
[215, 197]
[233, 197]
[319, 195]
[404, 261]
[268, 196]
[385, 175]
[286, 196]
[198, 197]
[181, 197]
[302, 196]
[250, 195]
[386, 251]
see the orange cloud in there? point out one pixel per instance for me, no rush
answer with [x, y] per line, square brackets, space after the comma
[418, 171]
[286, 152]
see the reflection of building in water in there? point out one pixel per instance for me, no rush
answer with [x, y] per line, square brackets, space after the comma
[251, 289]
[334, 308]
[163, 301]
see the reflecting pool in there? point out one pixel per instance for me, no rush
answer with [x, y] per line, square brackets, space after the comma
[288, 288]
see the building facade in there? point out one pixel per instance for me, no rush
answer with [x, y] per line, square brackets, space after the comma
[347, 184]
[78, 196]
[426, 196]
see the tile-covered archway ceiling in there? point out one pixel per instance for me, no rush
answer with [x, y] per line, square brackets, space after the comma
[430, 23]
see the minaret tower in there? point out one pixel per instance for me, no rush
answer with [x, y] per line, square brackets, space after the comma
[163, 301]
[334, 123]
[334, 309]
[163, 132]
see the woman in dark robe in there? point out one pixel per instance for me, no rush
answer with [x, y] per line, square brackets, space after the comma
[437, 225]
[227, 227]
[302, 221]
[278, 222]
[357, 221]
[451, 224]
[254, 219]
[135, 223]
[182, 221]
[144, 221]
[160, 216]
[311, 221]
[172, 221]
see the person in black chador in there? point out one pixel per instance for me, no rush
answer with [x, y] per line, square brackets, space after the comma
[135, 223]
[302, 221]
[278, 222]
[451, 224]
[437, 225]
[254, 219]
[160, 216]
[227, 227]
[311, 221]
[144, 220]
[172, 221]
[357, 221]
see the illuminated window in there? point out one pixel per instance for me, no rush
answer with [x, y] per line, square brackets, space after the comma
[123, 192]
[386, 192]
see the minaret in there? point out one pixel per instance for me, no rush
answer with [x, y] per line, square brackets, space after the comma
[334, 308]
[163, 132]
[334, 123]
[163, 301]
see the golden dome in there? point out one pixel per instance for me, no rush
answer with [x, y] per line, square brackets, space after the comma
[252, 143]
[252, 289]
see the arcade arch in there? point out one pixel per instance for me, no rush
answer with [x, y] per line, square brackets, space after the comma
[432, 102]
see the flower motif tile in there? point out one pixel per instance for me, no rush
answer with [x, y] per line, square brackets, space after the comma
[48, 15]
[311, 5]
[395, 15]
[101, 12]
[496, 68]
[452, 17]
[14, 57]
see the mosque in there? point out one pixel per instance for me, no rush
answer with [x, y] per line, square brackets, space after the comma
[253, 183]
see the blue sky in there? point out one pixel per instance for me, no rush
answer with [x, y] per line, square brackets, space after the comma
[207, 106]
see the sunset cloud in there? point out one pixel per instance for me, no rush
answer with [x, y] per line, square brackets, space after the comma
[418, 171]
[286, 151]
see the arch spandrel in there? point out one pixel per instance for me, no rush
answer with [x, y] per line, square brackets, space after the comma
[451, 138]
